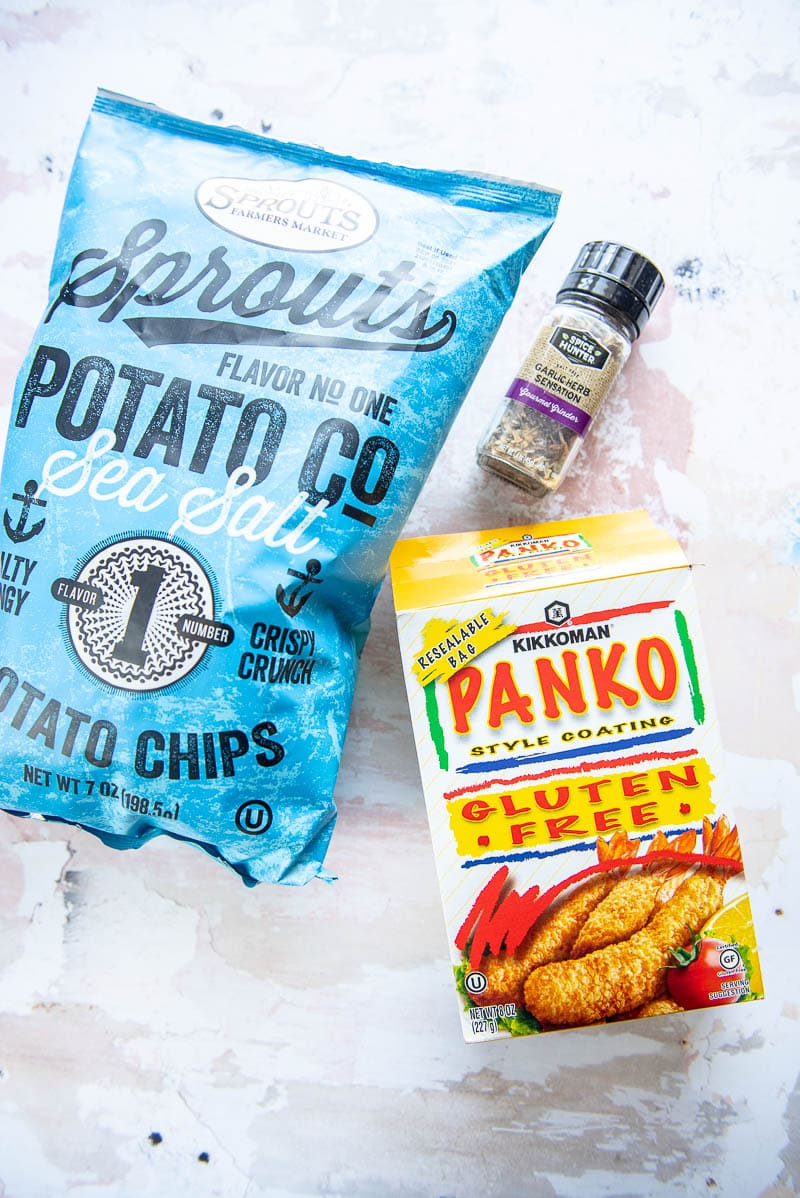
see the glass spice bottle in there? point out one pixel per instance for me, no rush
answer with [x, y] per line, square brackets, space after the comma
[585, 340]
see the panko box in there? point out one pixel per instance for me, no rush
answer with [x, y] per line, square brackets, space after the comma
[589, 864]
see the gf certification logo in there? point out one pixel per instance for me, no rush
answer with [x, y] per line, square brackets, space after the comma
[254, 817]
[730, 958]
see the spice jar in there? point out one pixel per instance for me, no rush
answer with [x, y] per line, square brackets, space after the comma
[600, 310]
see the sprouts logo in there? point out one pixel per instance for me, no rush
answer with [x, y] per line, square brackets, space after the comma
[308, 215]
[328, 308]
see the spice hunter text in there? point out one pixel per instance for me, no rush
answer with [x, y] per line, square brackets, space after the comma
[569, 755]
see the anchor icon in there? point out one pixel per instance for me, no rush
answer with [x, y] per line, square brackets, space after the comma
[294, 600]
[18, 532]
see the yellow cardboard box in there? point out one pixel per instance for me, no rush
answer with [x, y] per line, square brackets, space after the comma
[569, 755]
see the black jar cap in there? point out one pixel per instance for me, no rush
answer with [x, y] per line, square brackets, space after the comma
[617, 277]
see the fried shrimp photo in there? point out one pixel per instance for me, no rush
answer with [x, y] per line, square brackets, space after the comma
[622, 976]
[632, 900]
[628, 974]
[553, 935]
[658, 1006]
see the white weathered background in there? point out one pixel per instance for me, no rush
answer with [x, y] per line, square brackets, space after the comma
[307, 1041]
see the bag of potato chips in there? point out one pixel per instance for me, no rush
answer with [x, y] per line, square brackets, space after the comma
[251, 355]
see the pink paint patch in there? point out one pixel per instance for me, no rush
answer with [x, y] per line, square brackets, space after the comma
[608, 475]
[10, 181]
[13, 347]
[43, 25]
[23, 257]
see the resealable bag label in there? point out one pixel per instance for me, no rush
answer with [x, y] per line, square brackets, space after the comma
[251, 355]
[589, 865]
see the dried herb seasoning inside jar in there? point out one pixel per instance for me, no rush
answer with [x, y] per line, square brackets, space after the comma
[600, 310]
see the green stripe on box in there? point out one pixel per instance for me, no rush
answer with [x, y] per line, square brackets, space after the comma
[437, 732]
[698, 704]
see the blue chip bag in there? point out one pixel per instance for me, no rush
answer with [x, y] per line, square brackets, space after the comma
[251, 355]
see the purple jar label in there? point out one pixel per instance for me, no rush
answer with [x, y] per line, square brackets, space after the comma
[550, 405]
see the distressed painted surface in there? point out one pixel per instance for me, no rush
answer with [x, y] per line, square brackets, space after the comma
[165, 1031]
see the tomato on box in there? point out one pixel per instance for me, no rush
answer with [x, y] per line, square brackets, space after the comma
[710, 973]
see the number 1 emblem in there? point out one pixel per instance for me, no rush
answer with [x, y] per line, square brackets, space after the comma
[150, 590]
